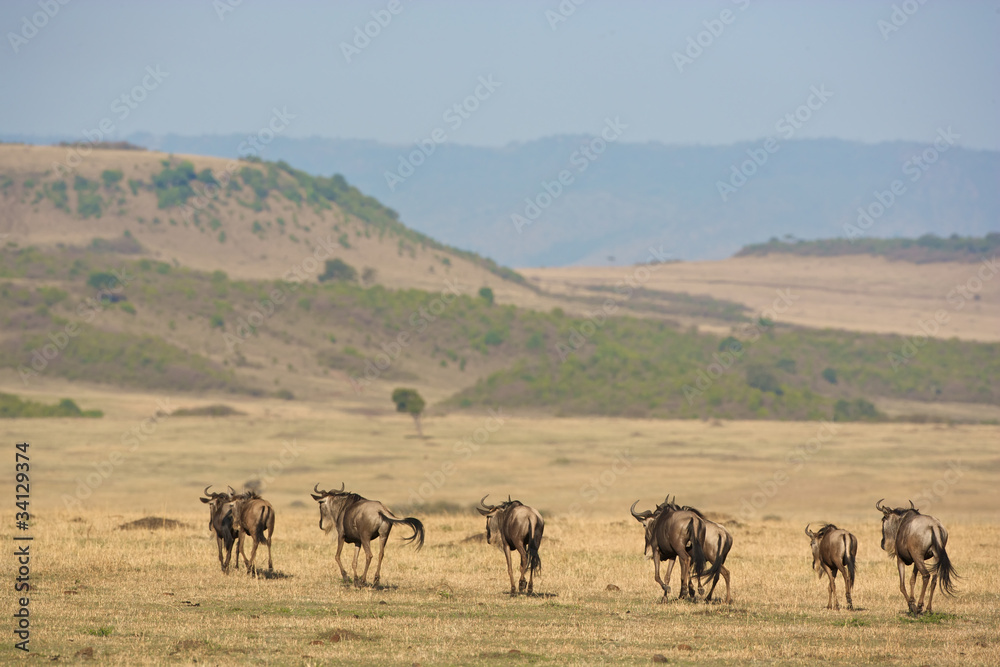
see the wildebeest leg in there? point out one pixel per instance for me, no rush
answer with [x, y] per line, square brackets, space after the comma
[833, 602]
[340, 547]
[715, 581]
[270, 563]
[251, 564]
[848, 584]
[921, 566]
[664, 583]
[223, 563]
[522, 583]
[510, 570]
[930, 600]
[685, 561]
[354, 565]
[239, 552]
[367, 546]
[902, 584]
[381, 553]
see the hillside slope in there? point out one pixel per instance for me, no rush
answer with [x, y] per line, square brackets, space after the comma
[633, 195]
[258, 221]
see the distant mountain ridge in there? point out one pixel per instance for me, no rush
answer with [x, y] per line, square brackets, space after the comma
[632, 196]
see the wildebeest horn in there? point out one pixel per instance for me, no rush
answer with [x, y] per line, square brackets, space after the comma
[232, 491]
[341, 488]
[318, 495]
[207, 488]
[808, 532]
[639, 517]
[485, 509]
[911, 505]
[882, 508]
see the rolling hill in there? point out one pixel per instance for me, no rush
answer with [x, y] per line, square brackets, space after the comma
[146, 272]
[635, 195]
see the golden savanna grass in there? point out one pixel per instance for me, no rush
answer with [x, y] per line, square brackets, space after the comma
[856, 293]
[155, 596]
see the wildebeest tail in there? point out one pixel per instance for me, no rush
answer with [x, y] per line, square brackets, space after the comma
[697, 537]
[266, 519]
[943, 567]
[534, 541]
[418, 528]
[850, 555]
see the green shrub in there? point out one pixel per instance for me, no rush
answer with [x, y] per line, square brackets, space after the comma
[338, 270]
[830, 375]
[111, 177]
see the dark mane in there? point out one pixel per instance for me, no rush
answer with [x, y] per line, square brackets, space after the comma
[691, 509]
[349, 495]
[828, 528]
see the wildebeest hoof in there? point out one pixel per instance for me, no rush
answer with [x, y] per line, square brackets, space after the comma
[521, 585]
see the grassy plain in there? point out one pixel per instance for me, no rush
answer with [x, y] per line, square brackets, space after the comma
[157, 596]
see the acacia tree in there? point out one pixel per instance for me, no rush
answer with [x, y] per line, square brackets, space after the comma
[410, 402]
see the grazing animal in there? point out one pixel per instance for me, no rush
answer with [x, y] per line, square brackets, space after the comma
[254, 517]
[716, 546]
[358, 521]
[221, 523]
[676, 533]
[913, 538]
[513, 526]
[834, 550]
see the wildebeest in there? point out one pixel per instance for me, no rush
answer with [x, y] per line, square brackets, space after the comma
[716, 546]
[513, 526]
[675, 533]
[912, 538]
[358, 521]
[222, 524]
[834, 550]
[254, 517]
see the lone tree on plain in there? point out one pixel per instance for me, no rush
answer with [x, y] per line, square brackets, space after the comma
[410, 402]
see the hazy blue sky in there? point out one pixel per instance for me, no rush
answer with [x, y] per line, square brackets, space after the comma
[607, 59]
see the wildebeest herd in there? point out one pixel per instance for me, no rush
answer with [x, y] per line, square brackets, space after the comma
[672, 533]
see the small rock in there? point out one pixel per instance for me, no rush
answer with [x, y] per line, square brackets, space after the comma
[684, 647]
[316, 641]
[612, 587]
[659, 657]
[513, 651]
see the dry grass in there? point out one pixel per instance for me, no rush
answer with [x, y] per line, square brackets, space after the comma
[154, 596]
[857, 293]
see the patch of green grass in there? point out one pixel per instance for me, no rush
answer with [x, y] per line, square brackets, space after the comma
[103, 631]
[853, 622]
[932, 618]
